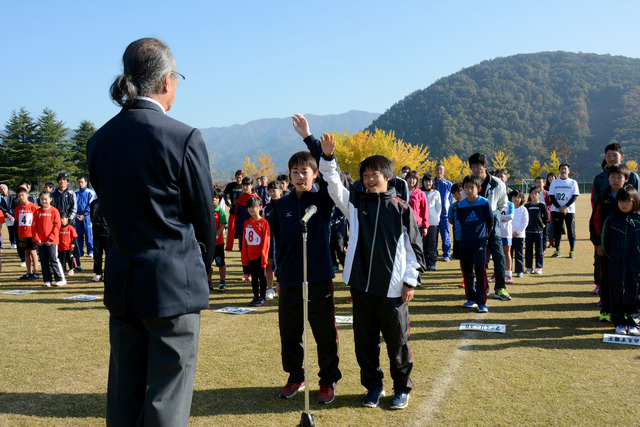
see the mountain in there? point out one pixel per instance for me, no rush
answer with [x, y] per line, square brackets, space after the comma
[274, 137]
[527, 105]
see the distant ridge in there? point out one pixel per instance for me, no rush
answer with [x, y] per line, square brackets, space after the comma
[274, 137]
[517, 103]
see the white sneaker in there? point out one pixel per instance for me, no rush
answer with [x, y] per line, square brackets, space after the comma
[633, 330]
[508, 279]
[71, 272]
[621, 330]
[23, 264]
[96, 278]
[13, 246]
[47, 284]
[270, 294]
[529, 271]
[61, 283]
[538, 271]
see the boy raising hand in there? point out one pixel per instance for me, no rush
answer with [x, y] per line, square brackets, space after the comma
[384, 260]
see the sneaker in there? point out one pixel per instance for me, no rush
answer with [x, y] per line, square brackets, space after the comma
[70, 272]
[222, 287]
[461, 285]
[61, 283]
[519, 275]
[621, 330]
[291, 389]
[34, 276]
[271, 294]
[78, 269]
[373, 396]
[260, 302]
[572, 255]
[605, 317]
[508, 279]
[633, 330]
[596, 290]
[96, 278]
[447, 259]
[26, 276]
[253, 302]
[23, 264]
[336, 268]
[400, 400]
[492, 279]
[556, 254]
[483, 309]
[470, 304]
[538, 271]
[327, 394]
[13, 246]
[47, 284]
[90, 255]
[244, 277]
[503, 295]
[433, 268]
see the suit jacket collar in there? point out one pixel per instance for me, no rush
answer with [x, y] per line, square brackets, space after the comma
[145, 104]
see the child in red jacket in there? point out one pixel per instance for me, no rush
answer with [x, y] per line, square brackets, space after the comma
[25, 211]
[45, 231]
[256, 238]
[68, 237]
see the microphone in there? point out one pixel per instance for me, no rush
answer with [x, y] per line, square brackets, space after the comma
[309, 212]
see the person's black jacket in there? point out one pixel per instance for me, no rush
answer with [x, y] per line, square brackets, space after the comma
[99, 226]
[151, 174]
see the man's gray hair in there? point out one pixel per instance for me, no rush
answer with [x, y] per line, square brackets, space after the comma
[146, 63]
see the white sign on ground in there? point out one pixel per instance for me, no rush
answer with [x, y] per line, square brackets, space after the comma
[18, 292]
[483, 327]
[621, 339]
[344, 319]
[235, 310]
[83, 298]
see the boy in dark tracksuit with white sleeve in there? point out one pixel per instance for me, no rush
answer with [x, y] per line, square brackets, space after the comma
[383, 263]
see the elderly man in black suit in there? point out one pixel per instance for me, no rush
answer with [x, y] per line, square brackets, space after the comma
[151, 173]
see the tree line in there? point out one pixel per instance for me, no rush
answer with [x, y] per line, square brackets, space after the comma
[38, 149]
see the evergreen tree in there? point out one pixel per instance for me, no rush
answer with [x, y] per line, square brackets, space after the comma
[16, 153]
[51, 153]
[79, 147]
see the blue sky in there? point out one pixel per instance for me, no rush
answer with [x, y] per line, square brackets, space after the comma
[258, 59]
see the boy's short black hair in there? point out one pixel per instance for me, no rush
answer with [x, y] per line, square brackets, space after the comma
[239, 172]
[456, 187]
[64, 215]
[539, 177]
[25, 182]
[628, 193]
[49, 184]
[48, 193]
[614, 146]
[63, 175]
[472, 179]
[620, 169]
[218, 193]
[82, 177]
[275, 185]
[283, 177]
[247, 180]
[377, 163]
[253, 202]
[534, 189]
[427, 177]
[478, 159]
[21, 189]
[302, 159]
[564, 164]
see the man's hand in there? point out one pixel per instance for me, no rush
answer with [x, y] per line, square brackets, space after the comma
[39, 243]
[301, 125]
[328, 142]
[80, 217]
[600, 251]
[425, 230]
[407, 293]
[48, 243]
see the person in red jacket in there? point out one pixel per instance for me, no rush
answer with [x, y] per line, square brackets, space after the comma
[25, 212]
[46, 229]
[67, 238]
[241, 216]
[256, 238]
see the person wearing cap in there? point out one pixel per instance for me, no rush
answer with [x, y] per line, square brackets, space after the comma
[64, 200]
[232, 191]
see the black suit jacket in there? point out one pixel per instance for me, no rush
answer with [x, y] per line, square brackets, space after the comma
[151, 174]
[6, 204]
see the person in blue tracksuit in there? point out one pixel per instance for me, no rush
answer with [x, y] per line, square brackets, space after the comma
[84, 197]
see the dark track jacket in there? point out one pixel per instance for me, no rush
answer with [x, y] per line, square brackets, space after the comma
[621, 244]
[385, 246]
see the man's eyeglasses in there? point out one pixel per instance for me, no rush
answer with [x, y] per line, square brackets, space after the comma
[179, 77]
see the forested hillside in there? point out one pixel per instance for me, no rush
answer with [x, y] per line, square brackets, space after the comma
[527, 105]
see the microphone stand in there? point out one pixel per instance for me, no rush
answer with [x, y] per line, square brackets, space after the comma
[307, 417]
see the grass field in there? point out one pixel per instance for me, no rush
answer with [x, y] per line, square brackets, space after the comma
[550, 368]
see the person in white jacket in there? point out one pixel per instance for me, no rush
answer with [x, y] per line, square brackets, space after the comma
[520, 222]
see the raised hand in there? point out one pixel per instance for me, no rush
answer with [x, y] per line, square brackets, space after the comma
[328, 143]
[301, 125]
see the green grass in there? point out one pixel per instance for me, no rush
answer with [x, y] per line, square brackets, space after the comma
[550, 368]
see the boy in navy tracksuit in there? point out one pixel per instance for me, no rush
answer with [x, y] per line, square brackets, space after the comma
[382, 266]
[287, 232]
[476, 222]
